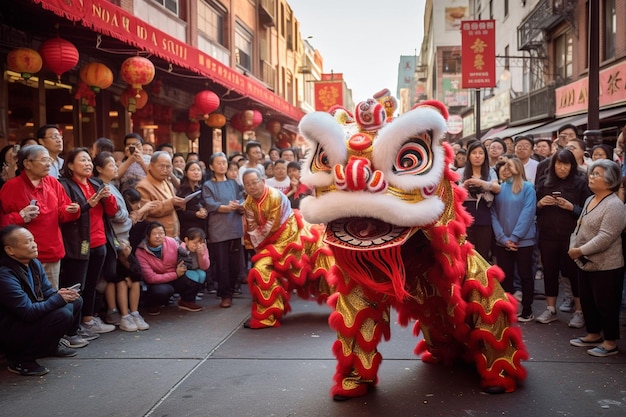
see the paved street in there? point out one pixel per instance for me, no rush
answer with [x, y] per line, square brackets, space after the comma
[207, 364]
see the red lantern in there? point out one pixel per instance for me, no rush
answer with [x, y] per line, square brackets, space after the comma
[26, 61]
[137, 71]
[283, 141]
[273, 126]
[206, 101]
[59, 55]
[193, 130]
[96, 75]
[216, 120]
[251, 119]
[133, 100]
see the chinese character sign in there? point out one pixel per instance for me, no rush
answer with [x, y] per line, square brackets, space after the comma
[328, 94]
[478, 64]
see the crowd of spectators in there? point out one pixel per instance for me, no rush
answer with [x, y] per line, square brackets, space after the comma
[90, 239]
[540, 209]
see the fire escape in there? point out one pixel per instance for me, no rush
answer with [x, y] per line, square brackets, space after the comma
[533, 37]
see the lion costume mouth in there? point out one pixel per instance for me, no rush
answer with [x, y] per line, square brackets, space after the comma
[364, 233]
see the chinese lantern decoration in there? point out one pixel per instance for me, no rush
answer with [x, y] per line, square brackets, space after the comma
[282, 141]
[236, 123]
[194, 113]
[251, 119]
[205, 102]
[137, 71]
[97, 76]
[86, 96]
[273, 126]
[26, 61]
[216, 120]
[58, 55]
[133, 100]
[193, 130]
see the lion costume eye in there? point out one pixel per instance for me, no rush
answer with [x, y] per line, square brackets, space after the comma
[320, 161]
[415, 157]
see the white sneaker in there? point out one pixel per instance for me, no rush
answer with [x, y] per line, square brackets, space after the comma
[128, 324]
[139, 321]
[577, 321]
[547, 317]
[97, 326]
[567, 306]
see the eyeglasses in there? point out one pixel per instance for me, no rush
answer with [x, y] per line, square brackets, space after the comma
[523, 147]
[56, 136]
[594, 174]
[42, 160]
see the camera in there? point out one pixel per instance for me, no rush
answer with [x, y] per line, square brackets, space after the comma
[474, 190]
[132, 149]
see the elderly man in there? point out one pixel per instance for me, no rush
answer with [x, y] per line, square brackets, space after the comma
[39, 202]
[156, 187]
[289, 255]
[33, 315]
[50, 137]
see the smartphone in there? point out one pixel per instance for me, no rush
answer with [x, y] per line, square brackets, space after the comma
[33, 202]
[100, 188]
[131, 149]
[556, 194]
[75, 287]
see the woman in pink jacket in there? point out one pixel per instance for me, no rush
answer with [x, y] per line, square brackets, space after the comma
[164, 271]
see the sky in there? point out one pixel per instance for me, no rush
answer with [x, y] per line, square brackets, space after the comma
[363, 39]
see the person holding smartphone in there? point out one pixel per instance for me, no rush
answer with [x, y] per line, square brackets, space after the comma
[134, 167]
[560, 197]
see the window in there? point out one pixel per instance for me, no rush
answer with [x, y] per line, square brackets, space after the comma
[563, 48]
[243, 47]
[451, 62]
[171, 5]
[610, 24]
[211, 22]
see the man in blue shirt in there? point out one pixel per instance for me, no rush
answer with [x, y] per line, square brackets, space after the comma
[33, 315]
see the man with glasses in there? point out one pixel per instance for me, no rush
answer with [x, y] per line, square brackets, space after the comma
[523, 151]
[133, 167]
[50, 137]
[38, 202]
[156, 187]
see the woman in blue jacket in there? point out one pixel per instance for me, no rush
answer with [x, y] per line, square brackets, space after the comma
[513, 221]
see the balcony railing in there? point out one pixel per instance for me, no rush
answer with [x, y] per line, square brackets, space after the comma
[268, 74]
[536, 105]
[545, 15]
[267, 11]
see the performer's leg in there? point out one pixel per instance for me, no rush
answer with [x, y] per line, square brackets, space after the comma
[361, 323]
[270, 301]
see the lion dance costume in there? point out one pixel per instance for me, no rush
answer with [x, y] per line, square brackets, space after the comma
[396, 225]
[290, 255]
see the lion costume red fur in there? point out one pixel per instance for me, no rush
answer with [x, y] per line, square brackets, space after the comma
[397, 228]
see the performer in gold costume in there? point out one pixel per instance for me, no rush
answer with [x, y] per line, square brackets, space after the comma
[289, 255]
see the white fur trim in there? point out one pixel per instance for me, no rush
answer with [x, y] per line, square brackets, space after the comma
[322, 128]
[337, 205]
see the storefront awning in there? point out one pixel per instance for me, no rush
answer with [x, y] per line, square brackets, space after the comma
[512, 131]
[111, 20]
[576, 120]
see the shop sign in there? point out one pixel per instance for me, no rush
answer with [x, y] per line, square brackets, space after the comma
[574, 97]
[478, 46]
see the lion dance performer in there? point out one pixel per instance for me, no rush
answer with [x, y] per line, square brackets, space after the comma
[396, 225]
[290, 253]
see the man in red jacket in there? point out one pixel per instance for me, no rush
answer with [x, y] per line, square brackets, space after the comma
[38, 202]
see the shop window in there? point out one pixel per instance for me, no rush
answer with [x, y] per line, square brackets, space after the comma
[451, 62]
[171, 5]
[243, 48]
[610, 29]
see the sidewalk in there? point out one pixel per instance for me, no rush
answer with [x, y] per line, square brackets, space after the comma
[207, 364]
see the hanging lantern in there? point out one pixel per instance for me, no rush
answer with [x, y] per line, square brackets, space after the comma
[26, 61]
[236, 123]
[283, 141]
[59, 55]
[216, 120]
[251, 119]
[97, 76]
[193, 130]
[137, 71]
[194, 113]
[206, 102]
[273, 126]
[133, 100]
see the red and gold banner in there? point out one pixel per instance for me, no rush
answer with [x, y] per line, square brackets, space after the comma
[328, 94]
[478, 45]
[104, 17]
